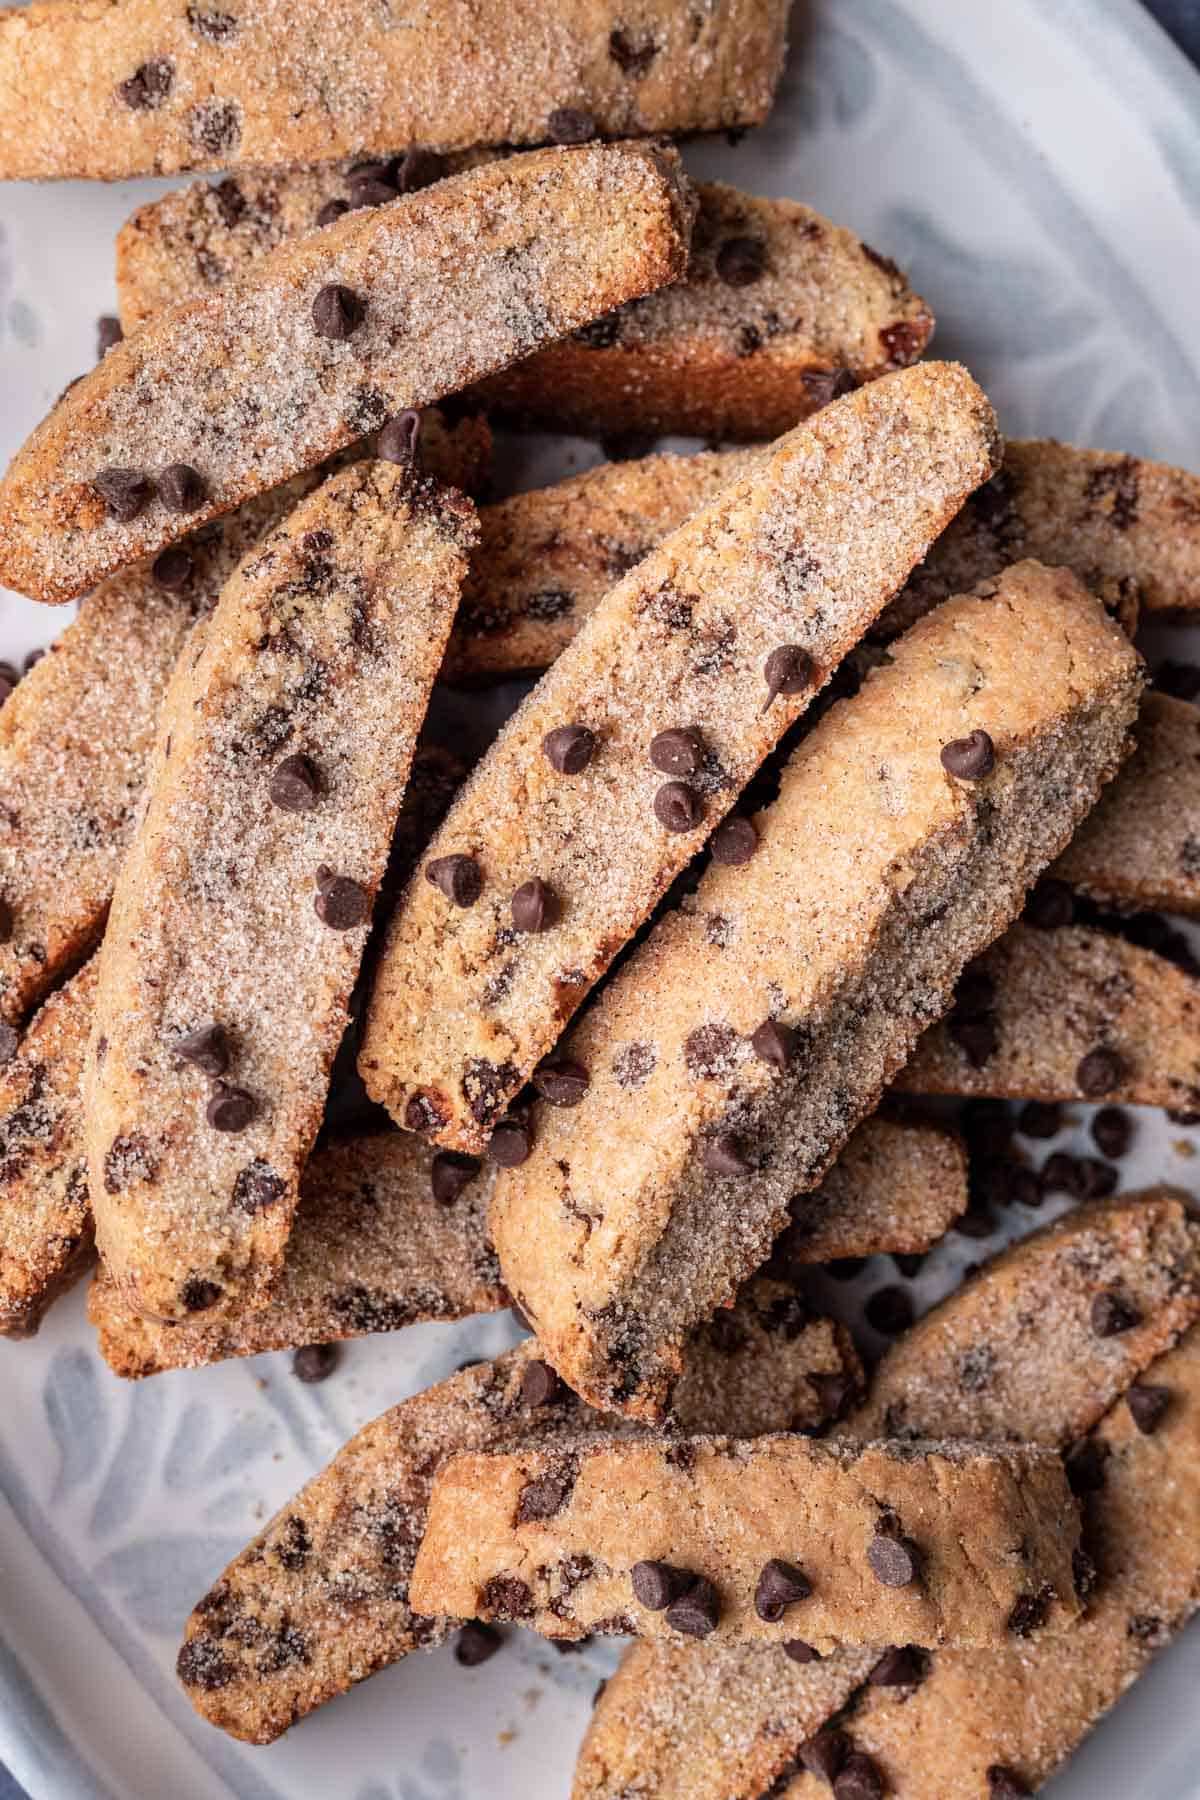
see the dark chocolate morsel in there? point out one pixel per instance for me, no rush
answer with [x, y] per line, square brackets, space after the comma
[734, 841]
[788, 670]
[779, 1586]
[451, 1172]
[1147, 1403]
[174, 568]
[561, 1081]
[509, 1144]
[657, 1584]
[337, 312]
[181, 488]
[315, 1362]
[458, 877]
[774, 1043]
[969, 758]
[539, 1384]
[207, 1047]
[399, 440]
[1100, 1071]
[569, 748]
[342, 903]
[475, 1643]
[1112, 1314]
[725, 1155]
[894, 1559]
[696, 1611]
[677, 806]
[230, 1108]
[534, 906]
[679, 751]
[124, 492]
[295, 784]
[571, 125]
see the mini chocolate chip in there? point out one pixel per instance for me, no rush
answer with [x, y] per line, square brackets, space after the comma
[181, 488]
[539, 1384]
[797, 1651]
[124, 492]
[1111, 1314]
[337, 312]
[1083, 1464]
[726, 1155]
[509, 1144]
[889, 1310]
[332, 209]
[657, 1584]
[696, 1611]
[31, 659]
[369, 190]
[734, 841]
[894, 1559]
[315, 1362]
[679, 751]
[1112, 1129]
[824, 385]
[198, 1295]
[108, 335]
[458, 877]
[561, 1081]
[976, 1038]
[534, 906]
[230, 1108]
[1100, 1071]
[741, 261]
[788, 670]
[1095, 1180]
[174, 568]
[1050, 906]
[1030, 1612]
[774, 1043]
[677, 806]
[400, 438]
[858, 1779]
[9, 1039]
[451, 1172]
[969, 758]
[419, 169]
[1147, 1403]
[571, 125]
[569, 748]
[295, 784]
[149, 85]
[207, 1048]
[832, 1390]
[475, 1643]
[779, 1586]
[824, 1754]
[1003, 1784]
[342, 903]
[901, 1666]
[1040, 1119]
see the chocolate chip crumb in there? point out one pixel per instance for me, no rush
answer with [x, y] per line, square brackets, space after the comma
[901, 1666]
[9, 1040]
[797, 1651]
[858, 1779]
[969, 758]
[458, 877]
[198, 1295]
[824, 1754]
[1030, 1612]
[315, 1362]
[149, 85]
[571, 125]
[108, 335]
[507, 1597]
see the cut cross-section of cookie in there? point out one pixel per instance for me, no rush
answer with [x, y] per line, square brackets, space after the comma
[1016, 1352]
[878, 875]
[45, 1218]
[896, 1187]
[382, 1239]
[240, 917]
[1130, 530]
[150, 89]
[1068, 1014]
[731, 1541]
[332, 1568]
[324, 339]
[539, 876]
[999, 1723]
[1140, 847]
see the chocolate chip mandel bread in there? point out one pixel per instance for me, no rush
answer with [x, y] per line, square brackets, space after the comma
[1069, 1014]
[723, 1540]
[144, 89]
[242, 908]
[381, 1239]
[896, 1187]
[908, 826]
[630, 750]
[222, 398]
[319, 1600]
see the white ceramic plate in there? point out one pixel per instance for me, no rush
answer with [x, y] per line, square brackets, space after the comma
[1035, 165]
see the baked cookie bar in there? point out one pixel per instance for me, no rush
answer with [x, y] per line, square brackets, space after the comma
[908, 826]
[222, 398]
[999, 1723]
[242, 907]
[1130, 530]
[896, 1187]
[626, 756]
[144, 89]
[319, 1600]
[1140, 847]
[1070, 1014]
[45, 1219]
[381, 1240]
[720, 1539]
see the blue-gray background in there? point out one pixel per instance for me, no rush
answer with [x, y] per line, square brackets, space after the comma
[1182, 19]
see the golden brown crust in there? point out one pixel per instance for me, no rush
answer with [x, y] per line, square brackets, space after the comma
[141, 88]
[246, 390]
[800, 552]
[1062, 996]
[867, 895]
[236, 907]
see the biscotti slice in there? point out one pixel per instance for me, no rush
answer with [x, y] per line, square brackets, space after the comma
[1140, 847]
[242, 907]
[994, 1725]
[142, 89]
[1130, 530]
[716, 1538]
[896, 1187]
[908, 826]
[221, 398]
[45, 1219]
[633, 746]
[1047, 1335]
[1067, 1014]
[375, 1246]
[329, 1575]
